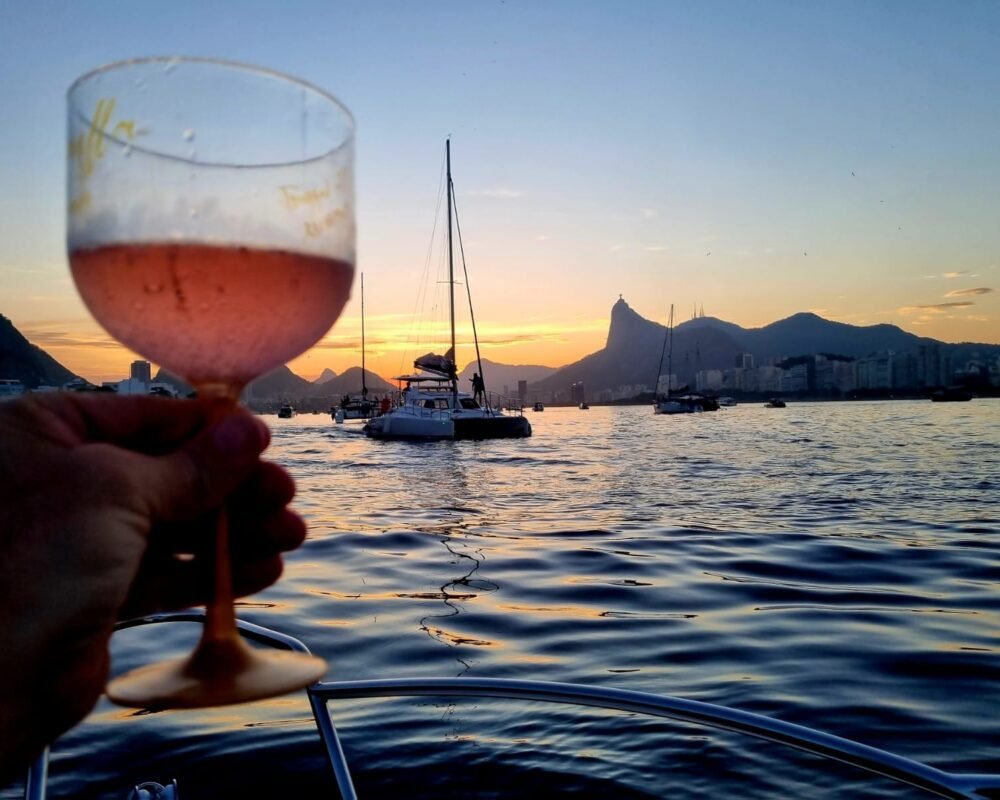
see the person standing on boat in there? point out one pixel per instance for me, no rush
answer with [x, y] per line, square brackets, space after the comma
[99, 497]
[478, 387]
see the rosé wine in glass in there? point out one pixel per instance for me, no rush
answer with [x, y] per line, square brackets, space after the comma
[210, 313]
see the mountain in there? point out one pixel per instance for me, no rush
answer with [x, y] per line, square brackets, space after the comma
[284, 385]
[805, 333]
[278, 384]
[633, 351]
[281, 384]
[349, 382]
[180, 385]
[326, 375]
[499, 375]
[634, 346]
[21, 360]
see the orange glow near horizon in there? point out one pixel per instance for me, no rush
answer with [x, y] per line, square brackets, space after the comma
[83, 347]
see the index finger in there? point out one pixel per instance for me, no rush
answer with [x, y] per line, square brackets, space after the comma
[151, 425]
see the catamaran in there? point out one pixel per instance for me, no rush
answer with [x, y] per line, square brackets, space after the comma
[431, 405]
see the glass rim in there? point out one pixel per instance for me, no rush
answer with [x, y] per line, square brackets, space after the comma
[217, 62]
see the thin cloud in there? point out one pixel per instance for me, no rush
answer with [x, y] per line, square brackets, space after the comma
[47, 338]
[951, 275]
[655, 248]
[969, 292]
[542, 237]
[501, 192]
[933, 308]
[650, 213]
[21, 270]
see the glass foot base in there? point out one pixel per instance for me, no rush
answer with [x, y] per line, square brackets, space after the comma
[218, 675]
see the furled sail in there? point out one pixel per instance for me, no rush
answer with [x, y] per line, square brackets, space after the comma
[441, 365]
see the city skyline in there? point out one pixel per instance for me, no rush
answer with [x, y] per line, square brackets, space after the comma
[756, 161]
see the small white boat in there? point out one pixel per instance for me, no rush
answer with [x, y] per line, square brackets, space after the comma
[677, 405]
[667, 404]
[538, 407]
[286, 412]
[10, 388]
[584, 407]
[727, 402]
[354, 408]
[358, 407]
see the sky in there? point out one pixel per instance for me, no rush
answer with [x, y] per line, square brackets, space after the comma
[753, 160]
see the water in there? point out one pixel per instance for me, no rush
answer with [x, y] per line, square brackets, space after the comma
[834, 565]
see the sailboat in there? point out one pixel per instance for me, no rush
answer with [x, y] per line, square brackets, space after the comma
[357, 407]
[667, 404]
[432, 407]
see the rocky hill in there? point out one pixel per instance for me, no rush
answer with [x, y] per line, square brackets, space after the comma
[21, 360]
[499, 375]
[349, 382]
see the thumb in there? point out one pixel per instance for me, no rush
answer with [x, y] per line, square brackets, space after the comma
[197, 477]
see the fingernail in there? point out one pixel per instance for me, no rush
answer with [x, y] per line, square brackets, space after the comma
[239, 435]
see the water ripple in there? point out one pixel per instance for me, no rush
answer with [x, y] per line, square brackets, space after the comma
[836, 565]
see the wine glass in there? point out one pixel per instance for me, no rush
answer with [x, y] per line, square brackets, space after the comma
[210, 229]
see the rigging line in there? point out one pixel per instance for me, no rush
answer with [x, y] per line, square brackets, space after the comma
[433, 330]
[416, 330]
[659, 369]
[420, 299]
[468, 290]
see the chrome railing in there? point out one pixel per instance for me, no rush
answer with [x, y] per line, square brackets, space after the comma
[871, 759]
[959, 786]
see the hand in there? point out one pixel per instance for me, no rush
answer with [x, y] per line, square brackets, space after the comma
[99, 496]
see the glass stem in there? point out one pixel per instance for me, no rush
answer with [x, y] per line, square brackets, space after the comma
[220, 613]
[220, 646]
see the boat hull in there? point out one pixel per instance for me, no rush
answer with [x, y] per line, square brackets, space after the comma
[415, 427]
[676, 407]
[498, 427]
[411, 427]
[951, 396]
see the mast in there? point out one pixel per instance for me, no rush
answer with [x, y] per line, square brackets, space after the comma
[670, 349]
[451, 282]
[364, 386]
[668, 339]
[659, 368]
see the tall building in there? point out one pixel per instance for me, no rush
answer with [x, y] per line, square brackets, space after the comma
[576, 392]
[141, 372]
[522, 390]
[874, 371]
